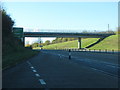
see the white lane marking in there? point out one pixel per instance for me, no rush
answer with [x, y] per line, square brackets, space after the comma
[32, 67]
[37, 75]
[42, 81]
[34, 70]
[94, 69]
[29, 63]
[56, 54]
[63, 55]
[84, 59]
[106, 73]
[87, 60]
[113, 66]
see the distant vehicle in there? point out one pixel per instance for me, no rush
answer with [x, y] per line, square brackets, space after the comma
[41, 46]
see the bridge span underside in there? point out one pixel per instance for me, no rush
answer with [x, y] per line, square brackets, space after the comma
[75, 35]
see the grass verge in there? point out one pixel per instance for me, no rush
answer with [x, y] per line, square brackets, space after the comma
[16, 57]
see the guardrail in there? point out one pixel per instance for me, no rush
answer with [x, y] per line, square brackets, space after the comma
[92, 50]
[88, 50]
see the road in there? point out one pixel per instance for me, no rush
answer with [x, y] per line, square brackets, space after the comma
[53, 69]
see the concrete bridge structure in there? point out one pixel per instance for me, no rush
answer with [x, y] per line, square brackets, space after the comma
[67, 34]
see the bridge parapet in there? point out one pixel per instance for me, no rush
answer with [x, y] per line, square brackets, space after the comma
[61, 34]
[66, 31]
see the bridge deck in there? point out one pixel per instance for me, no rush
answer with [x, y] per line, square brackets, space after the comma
[60, 34]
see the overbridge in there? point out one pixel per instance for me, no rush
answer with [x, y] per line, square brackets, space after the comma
[61, 34]
[68, 34]
[18, 32]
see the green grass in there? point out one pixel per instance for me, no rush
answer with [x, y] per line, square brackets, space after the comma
[109, 43]
[70, 44]
[13, 52]
[14, 58]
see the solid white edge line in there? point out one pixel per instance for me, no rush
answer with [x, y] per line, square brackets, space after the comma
[42, 81]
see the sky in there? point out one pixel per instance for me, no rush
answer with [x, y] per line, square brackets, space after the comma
[74, 16]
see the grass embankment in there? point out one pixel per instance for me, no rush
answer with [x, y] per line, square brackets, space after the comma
[108, 43]
[70, 44]
[17, 57]
[14, 52]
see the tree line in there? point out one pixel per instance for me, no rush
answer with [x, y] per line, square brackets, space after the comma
[57, 40]
[10, 43]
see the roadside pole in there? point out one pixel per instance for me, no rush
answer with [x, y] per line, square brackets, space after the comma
[69, 54]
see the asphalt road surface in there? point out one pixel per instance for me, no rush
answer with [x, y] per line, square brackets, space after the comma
[53, 69]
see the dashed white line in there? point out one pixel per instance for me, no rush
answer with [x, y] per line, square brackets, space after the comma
[32, 67]
[37, 75]
[34, 70]
[29, 63]
[42, 81]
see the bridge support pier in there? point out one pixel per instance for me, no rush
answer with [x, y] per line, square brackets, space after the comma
[23, 41]
[79, 43]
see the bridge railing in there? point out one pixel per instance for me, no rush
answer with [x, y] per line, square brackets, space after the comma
[67, 31]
